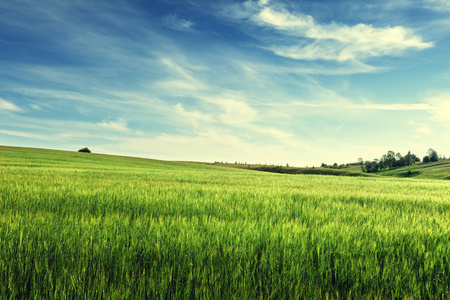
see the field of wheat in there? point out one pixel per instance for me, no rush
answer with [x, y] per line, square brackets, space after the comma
[76, 225]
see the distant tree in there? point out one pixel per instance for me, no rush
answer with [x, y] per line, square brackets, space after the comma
[433, 155]
[399, 160]
[389, 160]
[371, 167]
[426, 159]
[415, 158]
[409, 159]
[85, 150]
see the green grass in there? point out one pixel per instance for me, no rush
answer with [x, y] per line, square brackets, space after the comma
[352, 171]
[312, 171]
[77, 225]
[434, 170]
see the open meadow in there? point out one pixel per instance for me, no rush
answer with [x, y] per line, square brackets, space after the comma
[77, 225]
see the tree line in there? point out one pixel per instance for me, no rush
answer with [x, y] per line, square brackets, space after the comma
[390, 160]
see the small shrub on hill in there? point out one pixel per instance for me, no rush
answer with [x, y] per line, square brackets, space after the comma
[85, 150]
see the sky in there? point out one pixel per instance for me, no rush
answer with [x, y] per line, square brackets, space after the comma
[269, 81]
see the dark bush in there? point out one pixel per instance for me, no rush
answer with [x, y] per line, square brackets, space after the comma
[409, 173]
[85, 150]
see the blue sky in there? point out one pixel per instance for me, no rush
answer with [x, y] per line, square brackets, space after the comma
[298, 82]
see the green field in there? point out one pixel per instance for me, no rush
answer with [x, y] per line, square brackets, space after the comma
[432, 170]
[90, 226]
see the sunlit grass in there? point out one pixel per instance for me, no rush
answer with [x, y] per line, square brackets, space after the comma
[75, 225]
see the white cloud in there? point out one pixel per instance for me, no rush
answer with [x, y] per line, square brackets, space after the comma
[193, 117]
[438, 5]
[62, 95]
[424, 130]
[313, 67]
[237, 112]
[6, 105]
[231, 111]
[180, 78]
[179, 87]
[26, 134]
[335, 42]
[36, 107]
[119, 125]
[176, 23]
[175, 68]
[439, 107]
[392, 106]
[345, 104]
[276, 133]
[285, 21]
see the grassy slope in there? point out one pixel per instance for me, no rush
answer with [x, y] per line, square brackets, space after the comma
[352, 171]
[435, 170]
[80, 225]
[32, 157]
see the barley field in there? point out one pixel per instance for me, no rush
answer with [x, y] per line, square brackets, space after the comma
[89, 226]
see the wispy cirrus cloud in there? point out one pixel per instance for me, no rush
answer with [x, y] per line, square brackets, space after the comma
[233, 112]
[367, 106]
[26, 134]
[176, 23]
[118, 125]
[438, 5]
[180, 78]
[334, 41]
[194, 117]
[9, 106]
[439, 107]
[424, 130]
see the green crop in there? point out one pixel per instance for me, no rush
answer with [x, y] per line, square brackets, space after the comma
[76, 225]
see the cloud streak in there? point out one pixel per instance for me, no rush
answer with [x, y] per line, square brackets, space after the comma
[119, 125]
[335, 42]
[438, 5]
[25, 134]
[368, 106]
[176, 23]
[9, 106]
[439, 107]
